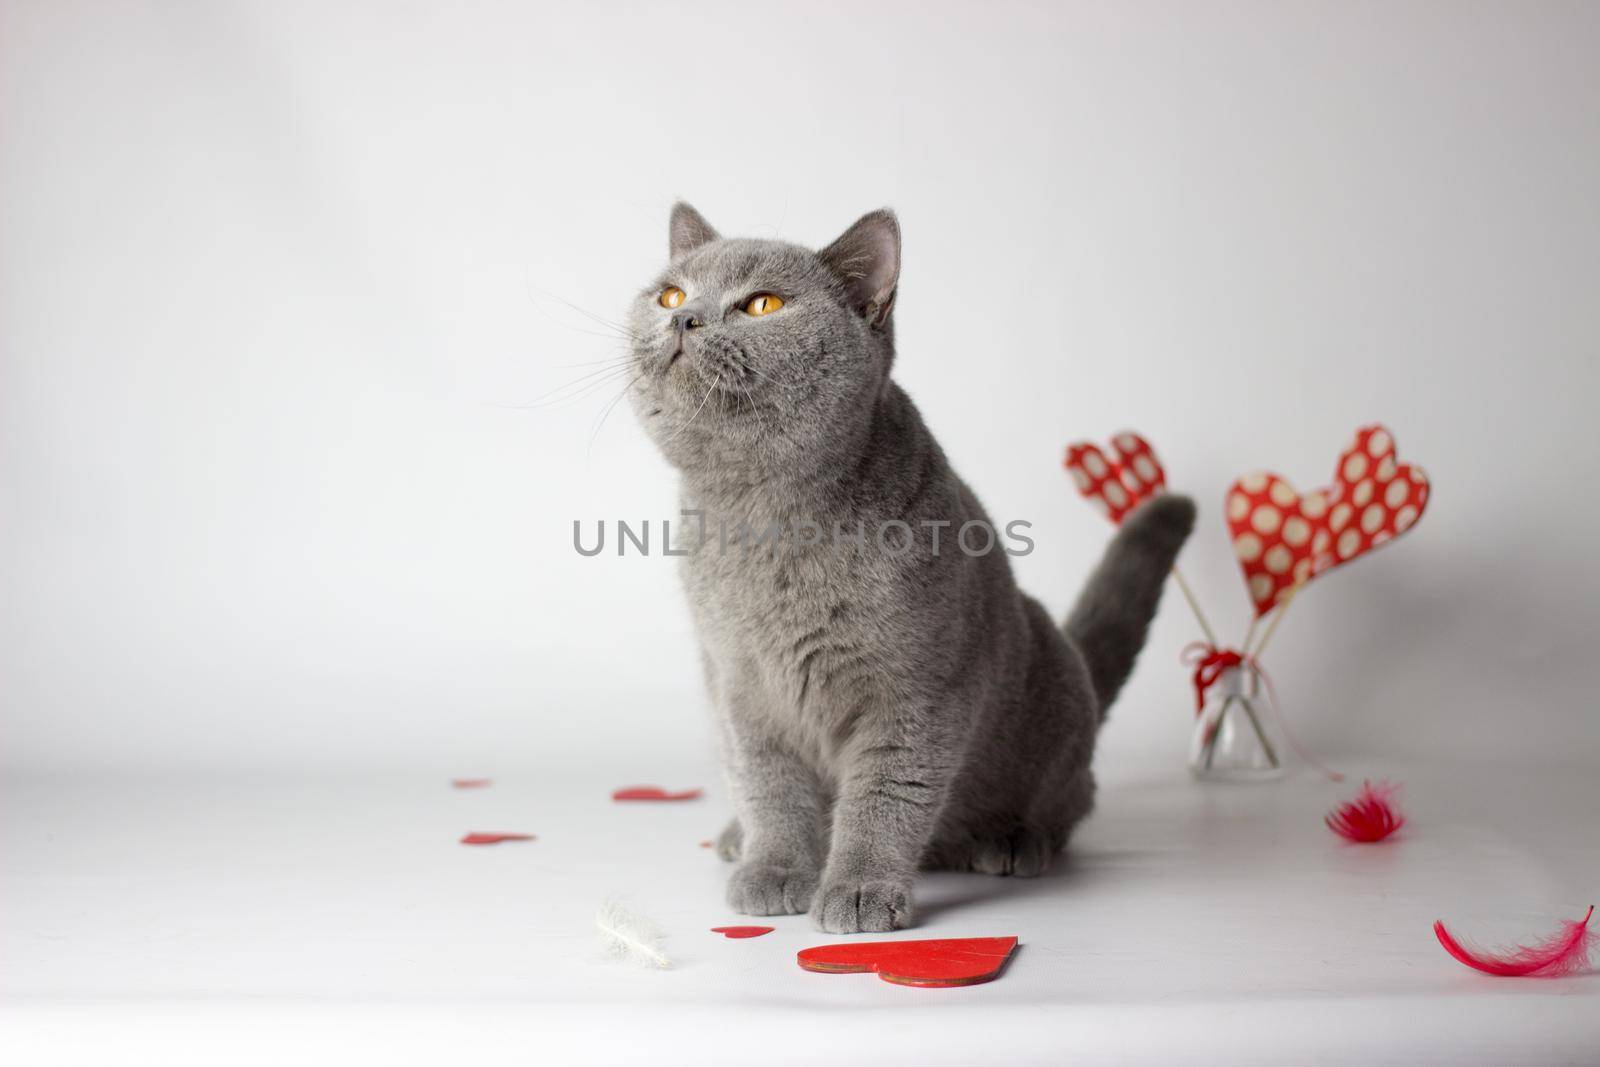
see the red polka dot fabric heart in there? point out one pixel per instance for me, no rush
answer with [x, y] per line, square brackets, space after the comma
[1116, 486]
[1375, 498]
[1276, 534]
[1283, 539]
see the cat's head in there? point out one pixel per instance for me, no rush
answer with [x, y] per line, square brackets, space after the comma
[763, 356]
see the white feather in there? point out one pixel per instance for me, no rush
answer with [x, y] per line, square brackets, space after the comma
[627, 935]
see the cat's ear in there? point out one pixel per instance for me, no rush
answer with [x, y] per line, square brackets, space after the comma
[688, 230]
[867, 259]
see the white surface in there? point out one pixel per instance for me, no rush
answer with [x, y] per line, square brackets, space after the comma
[271, 276]
[277, 921]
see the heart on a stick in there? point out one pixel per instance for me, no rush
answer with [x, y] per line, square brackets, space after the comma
[1116, 486]
[1374, 498]
[1283, 538]
[1277, 535]
[948, 962]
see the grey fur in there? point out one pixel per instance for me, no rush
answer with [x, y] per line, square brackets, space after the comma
[878, 712]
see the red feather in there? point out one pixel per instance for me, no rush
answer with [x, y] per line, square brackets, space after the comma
[1565, 953]
[1371, 817]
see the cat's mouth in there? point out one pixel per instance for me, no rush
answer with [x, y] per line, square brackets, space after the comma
[675, 354]
[696, 374]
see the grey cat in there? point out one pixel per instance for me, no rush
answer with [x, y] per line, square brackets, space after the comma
[884, 705]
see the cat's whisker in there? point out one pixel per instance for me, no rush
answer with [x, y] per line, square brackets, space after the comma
[744, 396]
[755, 412]
[617, 331]
[714, 385]
[606, 412]
[745, 366]
[618, 328]
[613, 361]
[709, 390]
[595, 333]
[576, 389]
[781, 384]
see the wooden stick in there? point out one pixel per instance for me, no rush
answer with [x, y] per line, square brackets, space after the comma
[1194, 606]
[1272, 627]
[1261, 735]
[1250, 633]
[1216, 732]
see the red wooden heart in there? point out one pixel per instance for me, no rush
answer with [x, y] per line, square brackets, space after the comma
[653, 792]
[742, 931]
[949, 962]
[493, 838]
[1374, 498]
[1278, 535]
[1116, 486]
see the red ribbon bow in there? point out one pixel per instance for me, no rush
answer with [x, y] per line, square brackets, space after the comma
[1210, 663]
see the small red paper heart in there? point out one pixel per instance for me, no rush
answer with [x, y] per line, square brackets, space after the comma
[1116, 486]
[742, 931]
[1277, 535]
[948, 962]
[1374, 498]
[493, 838]
[653, 792]
[470, 783]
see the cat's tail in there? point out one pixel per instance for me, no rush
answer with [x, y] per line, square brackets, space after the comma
[1114, 610]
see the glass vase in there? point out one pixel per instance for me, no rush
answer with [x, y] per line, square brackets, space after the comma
[1236, 737]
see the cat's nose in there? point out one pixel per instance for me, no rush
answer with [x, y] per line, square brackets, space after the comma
[687, 319]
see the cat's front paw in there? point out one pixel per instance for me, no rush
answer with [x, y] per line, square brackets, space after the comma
[769, 889]
[863, 906]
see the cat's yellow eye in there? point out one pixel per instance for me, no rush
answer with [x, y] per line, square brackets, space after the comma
[763, 304]
[670, 297]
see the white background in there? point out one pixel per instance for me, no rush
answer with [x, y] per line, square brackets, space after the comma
[274, 282]
[280, 280]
